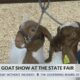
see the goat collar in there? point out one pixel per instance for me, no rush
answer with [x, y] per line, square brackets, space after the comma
[29, 39]
[73, 24]
[26, 37]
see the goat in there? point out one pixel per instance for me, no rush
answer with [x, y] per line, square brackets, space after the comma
[66, 40]
[33, 40]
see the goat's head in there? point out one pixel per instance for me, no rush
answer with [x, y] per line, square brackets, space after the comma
[28, 29]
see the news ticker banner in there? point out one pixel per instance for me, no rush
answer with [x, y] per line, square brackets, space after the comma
[39, 70]
[43, 70]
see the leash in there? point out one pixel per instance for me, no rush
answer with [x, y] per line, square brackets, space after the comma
[44, 7]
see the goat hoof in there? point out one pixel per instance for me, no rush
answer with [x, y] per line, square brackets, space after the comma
[47, 60]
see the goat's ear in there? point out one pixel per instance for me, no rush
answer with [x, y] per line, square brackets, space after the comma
[20, 27]
[46, 33]
[58, 29]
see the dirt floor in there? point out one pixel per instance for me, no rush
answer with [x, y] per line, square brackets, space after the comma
[11, 16]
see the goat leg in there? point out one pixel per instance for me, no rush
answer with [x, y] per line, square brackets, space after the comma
[70, 54]
[50, 55]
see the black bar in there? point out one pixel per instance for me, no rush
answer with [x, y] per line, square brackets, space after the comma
[29, 1]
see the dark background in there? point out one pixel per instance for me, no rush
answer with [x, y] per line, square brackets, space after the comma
[25, 1]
